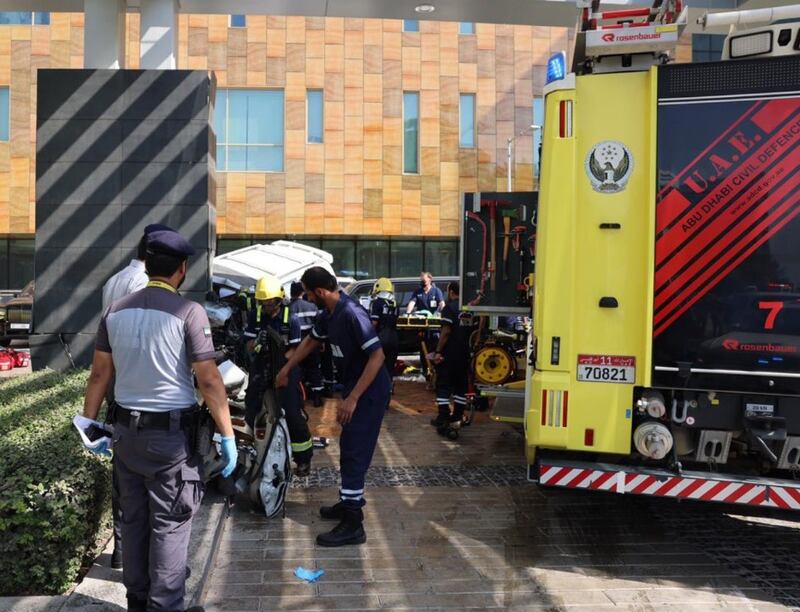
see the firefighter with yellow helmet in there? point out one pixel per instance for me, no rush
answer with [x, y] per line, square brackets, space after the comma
[271, 312]
[383, 314]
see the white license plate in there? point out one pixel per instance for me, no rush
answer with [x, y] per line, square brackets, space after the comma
[19, 325]
[607, 369]
[760, 408]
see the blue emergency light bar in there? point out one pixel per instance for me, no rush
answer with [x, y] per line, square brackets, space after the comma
[556, 67]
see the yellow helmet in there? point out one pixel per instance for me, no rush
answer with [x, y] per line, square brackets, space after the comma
[268, 288]
[382, 284]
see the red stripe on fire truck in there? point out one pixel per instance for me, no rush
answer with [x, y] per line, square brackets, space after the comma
[680, 487]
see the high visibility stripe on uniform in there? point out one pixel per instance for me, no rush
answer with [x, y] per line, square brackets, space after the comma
[258, 313]
[299, 447]
[316, 335]
[446, 320]
[285, 315]
[369, 343]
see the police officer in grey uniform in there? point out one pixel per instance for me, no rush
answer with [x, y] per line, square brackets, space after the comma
[152, 340]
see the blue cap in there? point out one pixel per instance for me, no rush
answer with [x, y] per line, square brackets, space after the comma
[169, 242]
[156, 227]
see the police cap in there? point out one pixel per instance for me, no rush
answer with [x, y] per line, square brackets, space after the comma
[168, 242]
[156, 227]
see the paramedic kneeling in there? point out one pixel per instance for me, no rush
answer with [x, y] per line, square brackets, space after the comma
[360, 361]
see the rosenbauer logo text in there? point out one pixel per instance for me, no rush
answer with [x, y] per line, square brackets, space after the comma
[611, 37]
[735, 345]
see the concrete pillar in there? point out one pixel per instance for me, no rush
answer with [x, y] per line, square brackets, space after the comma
[159, 31]
[104, 34]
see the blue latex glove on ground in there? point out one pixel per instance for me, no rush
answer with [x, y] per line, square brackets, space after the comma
[229, 454]
[309, 575]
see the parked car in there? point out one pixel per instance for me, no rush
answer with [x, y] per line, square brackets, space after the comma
[285, 259]
[17, 323]
[404, 288]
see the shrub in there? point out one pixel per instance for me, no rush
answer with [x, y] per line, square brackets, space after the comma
[54, 495]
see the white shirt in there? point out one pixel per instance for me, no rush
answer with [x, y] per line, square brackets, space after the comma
[128, 280]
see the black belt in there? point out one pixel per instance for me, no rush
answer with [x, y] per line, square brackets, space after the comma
[152, 420]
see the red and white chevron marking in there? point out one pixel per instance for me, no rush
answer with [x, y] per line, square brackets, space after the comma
[680, 487]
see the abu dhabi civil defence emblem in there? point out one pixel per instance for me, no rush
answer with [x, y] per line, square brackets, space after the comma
[609, 165]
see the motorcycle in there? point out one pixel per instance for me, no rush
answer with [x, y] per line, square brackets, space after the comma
[263, 469]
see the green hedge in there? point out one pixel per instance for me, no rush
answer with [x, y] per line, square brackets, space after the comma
[54, 495]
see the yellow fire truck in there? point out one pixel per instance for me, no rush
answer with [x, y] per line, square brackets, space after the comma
[665, 353]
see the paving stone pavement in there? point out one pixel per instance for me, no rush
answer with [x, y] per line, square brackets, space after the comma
[455, 525]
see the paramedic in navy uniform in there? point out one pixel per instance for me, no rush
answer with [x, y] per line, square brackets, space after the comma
[360, 361]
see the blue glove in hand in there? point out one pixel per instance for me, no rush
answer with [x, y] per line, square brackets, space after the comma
[229, 454]
[103, 449]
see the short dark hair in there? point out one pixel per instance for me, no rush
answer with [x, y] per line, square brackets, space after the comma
[141, 250]
[162, 264]
[453, 286]
[319, 278]
[296, 289]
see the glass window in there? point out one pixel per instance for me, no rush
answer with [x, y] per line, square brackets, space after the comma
[466, 27]
[315, 115]
[538, 119]
[466, 115]
[3, 263]
[707, 47]
[41, 18]
[4, 114]
[344, 256]
[373, 259]
[16, 18]
[441, 257]
[238, 21]
[226, 245]
[411, 132]
[312, 242]
[249, 129]
[410, 25]
[406, 257]
[20, 255]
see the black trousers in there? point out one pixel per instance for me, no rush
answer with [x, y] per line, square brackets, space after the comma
[452, 379]
[326, 365]
[312, 371]
[390, 344]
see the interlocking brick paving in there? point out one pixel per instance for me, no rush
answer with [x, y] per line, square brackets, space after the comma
[456, 525]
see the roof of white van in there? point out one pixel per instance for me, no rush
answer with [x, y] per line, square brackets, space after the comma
[284, 259]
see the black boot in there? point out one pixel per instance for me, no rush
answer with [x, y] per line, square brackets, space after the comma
[349, 531]
[332, 513]
[135, 604]
[441, 420]
[316, 396]
[116, 556]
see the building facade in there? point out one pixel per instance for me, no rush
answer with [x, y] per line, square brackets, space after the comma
[356, 135]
